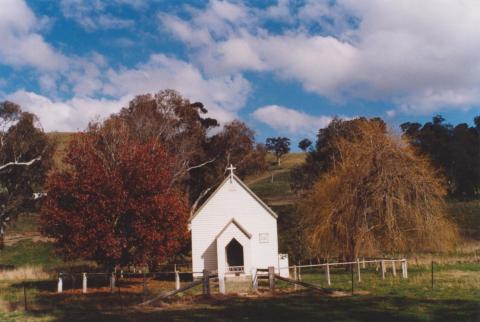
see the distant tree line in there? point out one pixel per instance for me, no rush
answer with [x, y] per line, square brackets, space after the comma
[453, 149]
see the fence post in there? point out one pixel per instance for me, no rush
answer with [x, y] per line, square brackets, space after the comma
[206, 282]
[254, 279]
[358, 270]
[25, 297]
[177, 280]
[327, 272]
[84, 283]
[271, 278]
[295, 275]
[221, 283]
[432, 275]
[112, 282]
[352, 268]
[394, 269]
[144, 284]
[299, 273]
[363, 262]
[60, 284]
[383, 269]
[406, 268]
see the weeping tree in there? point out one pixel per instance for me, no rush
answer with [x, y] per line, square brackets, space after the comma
[377, 197]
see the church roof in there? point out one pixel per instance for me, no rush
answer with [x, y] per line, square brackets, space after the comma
[245, 187]
[233, 221]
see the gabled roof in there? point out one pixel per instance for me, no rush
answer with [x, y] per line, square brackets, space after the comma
[233, 221]
[244, 186]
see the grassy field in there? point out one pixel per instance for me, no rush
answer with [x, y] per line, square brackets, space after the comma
[454, 297]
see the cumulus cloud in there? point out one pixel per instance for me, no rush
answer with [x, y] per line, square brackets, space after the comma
[69, 115]
[21, 44]
[422, 54]
[223, 96]
[290, 120]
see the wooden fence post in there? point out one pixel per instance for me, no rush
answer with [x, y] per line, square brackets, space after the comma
[394, 269]
[206, 282]
[295, 276]
[25, 297]
[432, 275]
[358, 270]
[299, 273]
[144, 284]
[327, 272]
[271, 278]
[84, 283]
[363, 262]
[352, 269]
[177, 280]
[383, 268]
[60, 284]
[254, 279]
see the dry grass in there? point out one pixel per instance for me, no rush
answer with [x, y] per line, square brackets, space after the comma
[24, 273]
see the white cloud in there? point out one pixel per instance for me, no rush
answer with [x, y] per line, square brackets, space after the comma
[290, 120]
[21, 45]
[68, 115]
[223, 96]
[422, 53]
[92, 15]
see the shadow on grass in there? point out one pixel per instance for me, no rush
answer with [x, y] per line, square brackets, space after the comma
[293, 307]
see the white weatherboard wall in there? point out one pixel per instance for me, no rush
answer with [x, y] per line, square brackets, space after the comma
[233, 211]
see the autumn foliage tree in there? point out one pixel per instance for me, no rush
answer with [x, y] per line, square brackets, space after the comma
[377, 196]
[114, 202]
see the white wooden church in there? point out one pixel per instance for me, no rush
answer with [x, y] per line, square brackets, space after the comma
[234, 232]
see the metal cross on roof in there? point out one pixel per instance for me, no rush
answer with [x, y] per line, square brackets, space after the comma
[231, 168]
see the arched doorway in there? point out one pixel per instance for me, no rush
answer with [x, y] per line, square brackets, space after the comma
[234, 256]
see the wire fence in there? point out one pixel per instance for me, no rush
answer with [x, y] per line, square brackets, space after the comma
[372, 275]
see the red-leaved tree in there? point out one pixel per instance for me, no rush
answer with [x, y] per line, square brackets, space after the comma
[113, 202]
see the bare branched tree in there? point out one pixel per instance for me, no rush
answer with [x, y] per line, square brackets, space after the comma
[379, 196]
[25, 157]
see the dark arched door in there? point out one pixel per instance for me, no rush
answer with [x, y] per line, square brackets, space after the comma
[234, 253]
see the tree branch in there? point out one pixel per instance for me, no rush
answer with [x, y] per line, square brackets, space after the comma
[200, 197]
[15, 163]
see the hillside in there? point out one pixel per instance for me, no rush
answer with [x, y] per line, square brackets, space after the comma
[61, 140]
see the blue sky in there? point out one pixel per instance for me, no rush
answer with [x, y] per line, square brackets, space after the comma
[284, 67]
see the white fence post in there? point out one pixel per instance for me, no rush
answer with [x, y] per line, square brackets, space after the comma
[177, 280]
[383, 269]
[254, 279]
[394, 269]
[404, 269]
[327, 271]
[84, 283]
[221, 283]
[60, 284]
[363, 262]
[112, 282]
[358, 270]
